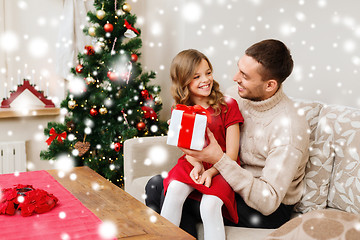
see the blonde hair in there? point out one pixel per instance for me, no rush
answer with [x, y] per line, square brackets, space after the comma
[182, 71]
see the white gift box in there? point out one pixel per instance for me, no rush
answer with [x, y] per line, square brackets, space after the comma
[187, 130]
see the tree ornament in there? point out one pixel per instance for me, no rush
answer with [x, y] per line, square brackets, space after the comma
[158, 100]
[90, 80]
[134, 57]
[54, 135]
[113, 76]
[117, 146]
[70, 126]
[99, 46]
[131, 31]
[106, 85]
[103, 110]
[119, 12]
[93, 112]
[92, 31]
[126, 7]
[144, 94]
[108, 27]
[140, 126]
[82, 147]
[100, 14]
[72, 104]
[149, 112]
[79, 68]
[89, 50]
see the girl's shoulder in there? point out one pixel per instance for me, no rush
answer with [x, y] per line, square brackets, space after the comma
[230, 102]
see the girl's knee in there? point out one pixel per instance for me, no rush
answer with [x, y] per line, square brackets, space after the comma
[210, 203]
[179, 189]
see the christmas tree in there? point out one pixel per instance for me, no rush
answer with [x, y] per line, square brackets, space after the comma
[112, 101]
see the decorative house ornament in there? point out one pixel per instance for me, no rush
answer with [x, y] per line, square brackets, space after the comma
[23, 93]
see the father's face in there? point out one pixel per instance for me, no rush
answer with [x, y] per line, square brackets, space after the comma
[250, 84]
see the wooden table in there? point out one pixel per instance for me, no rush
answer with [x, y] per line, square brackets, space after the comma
[110, 203]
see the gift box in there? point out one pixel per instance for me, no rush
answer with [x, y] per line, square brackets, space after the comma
[187, 127]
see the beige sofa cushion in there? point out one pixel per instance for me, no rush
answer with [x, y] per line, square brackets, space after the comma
[320, 224]
[317, 177]
[239, 233]
[311, 111]
[344, 191]
[319, 167]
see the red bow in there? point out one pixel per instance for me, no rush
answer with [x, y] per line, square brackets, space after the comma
[128, 26]
[196, 109]
[60, 136]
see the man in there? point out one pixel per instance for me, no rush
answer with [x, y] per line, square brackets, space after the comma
[274, 145]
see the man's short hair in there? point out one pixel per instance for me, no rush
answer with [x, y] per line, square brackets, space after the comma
[275, 58]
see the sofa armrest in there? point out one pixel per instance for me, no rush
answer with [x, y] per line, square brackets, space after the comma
[145, 157]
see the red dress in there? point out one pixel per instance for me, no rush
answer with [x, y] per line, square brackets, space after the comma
[219, 187]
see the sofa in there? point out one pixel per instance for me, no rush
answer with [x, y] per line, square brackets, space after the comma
[330, 204]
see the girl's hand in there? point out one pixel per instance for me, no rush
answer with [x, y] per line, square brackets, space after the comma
[196, 172]
[206, 178]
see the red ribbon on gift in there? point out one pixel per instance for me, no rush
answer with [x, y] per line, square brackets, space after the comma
[196, 109]
[60, 136]
[188, 121]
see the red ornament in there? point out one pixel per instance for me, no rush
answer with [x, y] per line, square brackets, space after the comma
[93, 112]
[79, 68]
[117, 146]
[113, 76]
[134, 57]
[108, 74]
[89, 50]
[108, 27]
[140, 126]
[145, 94]
[149, 112]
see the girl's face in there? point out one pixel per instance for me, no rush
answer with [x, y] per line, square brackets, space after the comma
[202, 83]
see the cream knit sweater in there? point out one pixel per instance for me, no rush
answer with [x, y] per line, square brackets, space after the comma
[274, 151]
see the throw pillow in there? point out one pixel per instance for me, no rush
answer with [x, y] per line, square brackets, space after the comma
[320, 225]
[319, 167]
[344, 191]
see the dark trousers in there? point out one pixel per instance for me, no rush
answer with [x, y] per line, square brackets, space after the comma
[248, 217]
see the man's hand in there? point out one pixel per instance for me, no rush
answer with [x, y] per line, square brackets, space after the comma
[211, 154]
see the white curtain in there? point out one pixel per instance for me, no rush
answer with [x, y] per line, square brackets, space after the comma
[71, 36]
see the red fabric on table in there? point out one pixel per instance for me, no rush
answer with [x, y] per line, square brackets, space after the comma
[78, 223]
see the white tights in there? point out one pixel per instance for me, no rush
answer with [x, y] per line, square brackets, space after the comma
[210, 209]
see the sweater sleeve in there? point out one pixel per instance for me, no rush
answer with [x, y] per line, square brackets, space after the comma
[264, 193]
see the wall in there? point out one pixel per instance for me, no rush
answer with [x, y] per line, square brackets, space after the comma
[28, 40]
[323, 36]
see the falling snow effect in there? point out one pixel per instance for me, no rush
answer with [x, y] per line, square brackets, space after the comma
[107, 230]
[323, 36]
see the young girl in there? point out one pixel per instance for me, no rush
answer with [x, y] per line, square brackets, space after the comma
[193, 84]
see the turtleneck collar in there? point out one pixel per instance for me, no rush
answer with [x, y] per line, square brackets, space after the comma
[262, 106]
